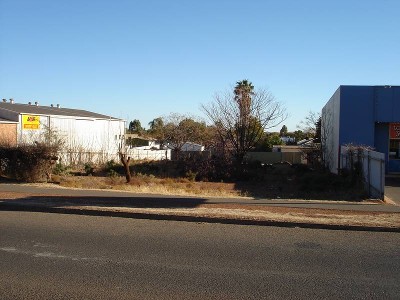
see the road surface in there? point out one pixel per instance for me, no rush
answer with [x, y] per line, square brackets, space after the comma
[56, 256]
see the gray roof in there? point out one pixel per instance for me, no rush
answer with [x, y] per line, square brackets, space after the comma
[52, 111]
[2, 120]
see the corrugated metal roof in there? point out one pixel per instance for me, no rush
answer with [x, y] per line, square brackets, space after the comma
[2, 120]
[53, 111]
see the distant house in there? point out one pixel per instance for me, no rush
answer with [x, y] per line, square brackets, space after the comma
[141, 148]
[287, 139]
[133, 140]
[188, 146]
[88, 136]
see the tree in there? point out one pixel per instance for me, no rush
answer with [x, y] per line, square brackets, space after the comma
[268, 141]
[283, 131]
[313, 126]
[242, 116]
[135, 127]
[125, 162]
[309, 124]
[156, 124]
[299, 135]
[179, 129]
[156, 129]
[318, 128]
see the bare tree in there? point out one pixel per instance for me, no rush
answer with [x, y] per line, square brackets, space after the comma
[242, 116]
[327, 139]
[309, 125]
[125, 162]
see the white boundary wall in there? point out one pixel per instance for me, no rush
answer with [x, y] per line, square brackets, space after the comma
[143, 154]
[373, 169]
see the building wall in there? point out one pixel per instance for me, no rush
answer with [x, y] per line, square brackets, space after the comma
[357, 120]
[360, 115]
[8, 134]
[387, 104]
[366, 112]
[330, 119]
[78, 134]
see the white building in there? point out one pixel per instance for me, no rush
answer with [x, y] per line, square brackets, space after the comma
[88, 136]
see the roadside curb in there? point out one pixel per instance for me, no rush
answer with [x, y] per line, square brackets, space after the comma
[197, 219]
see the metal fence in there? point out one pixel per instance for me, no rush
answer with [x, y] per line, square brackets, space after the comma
[373, 166]
[75, 158]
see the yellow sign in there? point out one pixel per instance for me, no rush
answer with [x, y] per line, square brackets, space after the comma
[30, 122]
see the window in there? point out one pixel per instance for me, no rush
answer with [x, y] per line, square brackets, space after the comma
[394, 149]
[394, 142]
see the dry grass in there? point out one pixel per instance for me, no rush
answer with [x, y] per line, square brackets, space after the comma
[151, 185]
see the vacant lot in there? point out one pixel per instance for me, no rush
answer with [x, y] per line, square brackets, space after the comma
[289, 186]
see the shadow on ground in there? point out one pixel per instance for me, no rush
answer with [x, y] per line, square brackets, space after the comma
[94, 201]
[392, 180]
[291, 191]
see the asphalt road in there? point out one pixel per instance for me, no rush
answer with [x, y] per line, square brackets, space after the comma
[56, 256]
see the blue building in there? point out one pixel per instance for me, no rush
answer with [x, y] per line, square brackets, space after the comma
[362, 115]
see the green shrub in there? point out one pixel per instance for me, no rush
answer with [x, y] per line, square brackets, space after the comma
[89, 168]
[59, 169]
[111, 164]
[112, 173]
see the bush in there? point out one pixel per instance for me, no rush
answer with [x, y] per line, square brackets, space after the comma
[191, 175]
[89, 168]
[59, 169]
[29, 163]
[110, 165]
[112, 173]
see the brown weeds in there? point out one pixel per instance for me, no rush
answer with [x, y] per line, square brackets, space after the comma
[151, 185]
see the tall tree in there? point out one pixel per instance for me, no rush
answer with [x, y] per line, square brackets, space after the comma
[299, 135]
[309, 124]
[156, 129]
[318, 129]
[135, 127]
[242, 116]
[283, 131]
[156, 124]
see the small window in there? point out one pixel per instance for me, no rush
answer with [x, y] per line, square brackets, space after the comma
[394, 149]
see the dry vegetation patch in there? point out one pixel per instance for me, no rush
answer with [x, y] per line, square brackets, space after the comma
[152, 185]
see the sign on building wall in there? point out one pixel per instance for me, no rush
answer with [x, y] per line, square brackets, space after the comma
[394, 130]
[30, 122]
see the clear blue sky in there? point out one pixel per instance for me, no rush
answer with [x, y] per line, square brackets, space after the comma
[144, 59]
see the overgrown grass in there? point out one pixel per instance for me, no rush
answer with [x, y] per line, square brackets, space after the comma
[278, 181]
[152, 185]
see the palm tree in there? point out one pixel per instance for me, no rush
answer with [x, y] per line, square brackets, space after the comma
[244, 90]
[156, 124]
